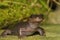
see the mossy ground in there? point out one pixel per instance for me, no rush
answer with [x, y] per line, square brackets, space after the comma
[52, 33]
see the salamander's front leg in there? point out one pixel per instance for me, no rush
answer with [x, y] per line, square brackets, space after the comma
[21, 33]
[41, 31]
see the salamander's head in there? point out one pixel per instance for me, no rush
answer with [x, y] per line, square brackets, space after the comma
[36, 18]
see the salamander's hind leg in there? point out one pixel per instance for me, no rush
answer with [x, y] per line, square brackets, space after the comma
[6, 32]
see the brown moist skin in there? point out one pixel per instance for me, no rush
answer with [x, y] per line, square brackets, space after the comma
[27, 28]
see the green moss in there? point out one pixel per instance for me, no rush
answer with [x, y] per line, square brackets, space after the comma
[15, 10]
